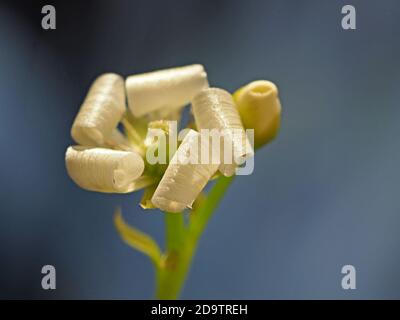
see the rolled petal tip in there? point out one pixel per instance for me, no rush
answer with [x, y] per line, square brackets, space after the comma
[215, 109]
[164, 89]
[103, 170]
[101, 111]
[184, 178]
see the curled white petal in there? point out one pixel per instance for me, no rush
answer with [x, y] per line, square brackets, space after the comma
[104, 170]
[184, 178]
[101, 111]
[214, 109]
[164, 89]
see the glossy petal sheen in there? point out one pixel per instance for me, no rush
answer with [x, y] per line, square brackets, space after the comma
[183, 181]
[100, 112]
[104, 170]
[165, 89]
[214, 108]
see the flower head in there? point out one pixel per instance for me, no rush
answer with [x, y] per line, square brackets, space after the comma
[107, 160]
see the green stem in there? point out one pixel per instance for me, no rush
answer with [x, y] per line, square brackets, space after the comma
[169, 276]
[175, 230]
[182, 242]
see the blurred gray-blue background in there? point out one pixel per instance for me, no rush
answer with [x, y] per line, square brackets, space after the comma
[324, 194]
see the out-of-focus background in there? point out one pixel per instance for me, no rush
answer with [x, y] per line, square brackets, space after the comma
[323, 195]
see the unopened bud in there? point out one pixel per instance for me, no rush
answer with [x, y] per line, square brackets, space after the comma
[260, 109]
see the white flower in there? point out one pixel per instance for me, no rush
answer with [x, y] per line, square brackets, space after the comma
[107, 160]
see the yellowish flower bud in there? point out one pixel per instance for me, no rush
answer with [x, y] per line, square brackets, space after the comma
[101, 111]
[214, 108]
[260, 109]
[104, 170]
[185, 176]
[164, 89]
